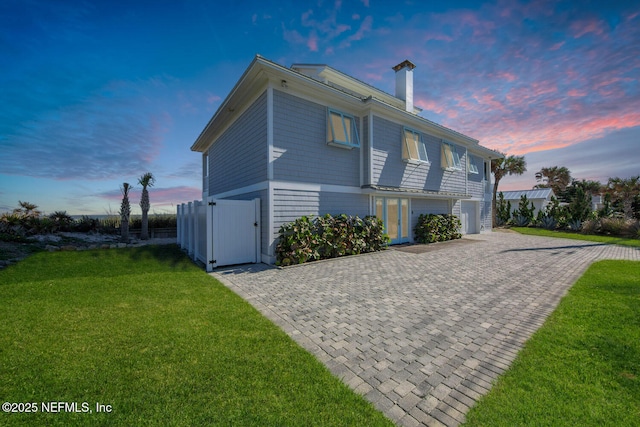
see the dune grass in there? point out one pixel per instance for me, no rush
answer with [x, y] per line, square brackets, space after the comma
[582, 368]
[148, 333]
[611, 240]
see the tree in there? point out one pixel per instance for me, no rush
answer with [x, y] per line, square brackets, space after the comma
[146, 180]
[556, 178]
[579, 195]
[27, 210]
[508, 165]
[580, 205]
[125, 212]
[623, 193]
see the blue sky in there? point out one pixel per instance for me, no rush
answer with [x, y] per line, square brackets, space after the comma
[97, 93]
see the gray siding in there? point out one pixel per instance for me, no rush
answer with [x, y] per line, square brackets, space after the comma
[389, 169]
[486, 219]
[476, 180]
[454, 181]
[289, 205]
[239, 157]
[300, 144]
[426, 206]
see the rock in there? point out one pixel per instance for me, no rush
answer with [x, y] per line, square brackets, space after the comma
[105, 246]
[68, 248]
[122, 245]
[51, 248]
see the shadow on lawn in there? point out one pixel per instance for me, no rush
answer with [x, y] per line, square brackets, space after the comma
[170, 255]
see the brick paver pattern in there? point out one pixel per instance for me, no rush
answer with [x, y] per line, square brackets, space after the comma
[422, 335]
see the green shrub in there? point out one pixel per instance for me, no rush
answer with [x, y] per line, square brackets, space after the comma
[60, 221]
[575, 225]
[310, 239]
[548, 222]
[503, 210]
[524, 215]
[86, 224]
[437, 228]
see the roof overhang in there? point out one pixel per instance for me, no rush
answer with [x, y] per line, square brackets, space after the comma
[413, 192]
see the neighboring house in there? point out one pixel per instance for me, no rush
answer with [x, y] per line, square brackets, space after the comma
[310, 140]
[539, 197]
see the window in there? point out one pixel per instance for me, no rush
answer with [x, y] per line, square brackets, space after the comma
[413, 147]
[473, 166]
[341, 130]
[450, 157]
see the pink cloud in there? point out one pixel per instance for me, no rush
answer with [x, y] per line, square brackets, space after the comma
[312, 42]
[580, 28]
[557, 46]
[576, 92]
[504, 75]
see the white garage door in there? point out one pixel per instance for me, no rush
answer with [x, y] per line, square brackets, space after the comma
[469, 217]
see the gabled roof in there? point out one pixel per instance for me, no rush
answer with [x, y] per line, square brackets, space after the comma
[321, 79]
[540, 193]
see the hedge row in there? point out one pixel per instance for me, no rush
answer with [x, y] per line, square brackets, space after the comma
[315, 238]
[437, 228]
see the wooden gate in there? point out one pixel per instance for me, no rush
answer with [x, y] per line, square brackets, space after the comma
[234, 232]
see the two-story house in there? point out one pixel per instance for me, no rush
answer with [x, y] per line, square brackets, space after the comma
[310, 140]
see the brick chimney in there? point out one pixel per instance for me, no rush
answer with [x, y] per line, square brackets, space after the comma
[404, 83]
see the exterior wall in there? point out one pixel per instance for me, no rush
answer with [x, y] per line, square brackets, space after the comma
[239, 157]
[288, 205]
[300, 145]
[486, 219]
[426, 206]
[453, 181]
[389, 169]
[475, 181]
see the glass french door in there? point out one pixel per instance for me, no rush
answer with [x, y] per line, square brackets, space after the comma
[394, 213]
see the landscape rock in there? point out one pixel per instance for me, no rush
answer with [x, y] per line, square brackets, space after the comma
[68, 248]
[51, 248]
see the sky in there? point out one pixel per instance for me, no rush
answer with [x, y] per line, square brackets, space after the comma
[96, 93]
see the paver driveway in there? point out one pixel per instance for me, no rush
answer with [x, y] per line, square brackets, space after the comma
[422, 335]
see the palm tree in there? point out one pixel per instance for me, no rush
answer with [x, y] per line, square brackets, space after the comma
[556, 178]
[508, 165]
[146, 180]
[125, 212]
[27, 210]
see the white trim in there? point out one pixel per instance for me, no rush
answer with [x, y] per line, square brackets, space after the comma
[329, 188]
[370, 148]
[270, 158]
[242, 190]
[270, 227]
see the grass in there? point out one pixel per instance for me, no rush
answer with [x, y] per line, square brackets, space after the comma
[532, 231]
[582, 367]
[147, 332]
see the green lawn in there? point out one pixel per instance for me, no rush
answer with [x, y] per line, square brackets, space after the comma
[150, 334]
[582, 367]
[534, 231]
